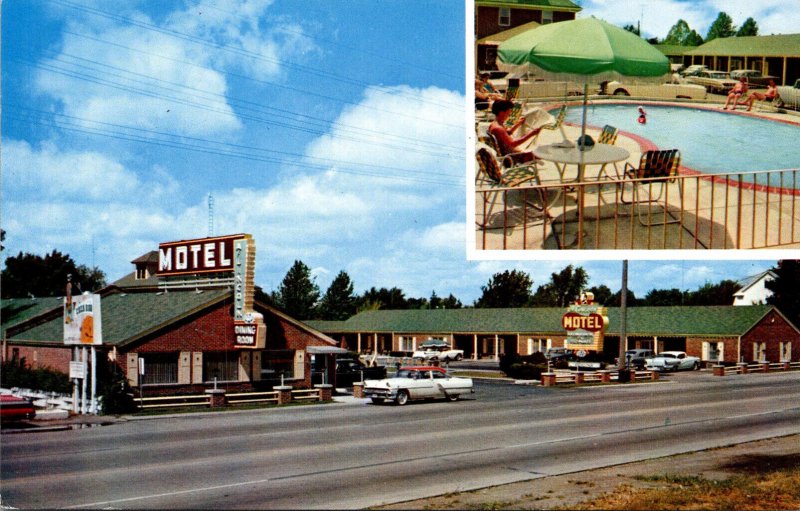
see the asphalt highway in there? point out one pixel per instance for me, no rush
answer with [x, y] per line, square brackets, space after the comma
[358, 455]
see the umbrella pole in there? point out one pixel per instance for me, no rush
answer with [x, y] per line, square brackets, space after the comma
[585, 104]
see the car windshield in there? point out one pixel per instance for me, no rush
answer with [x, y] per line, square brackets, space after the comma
[668, 355]
[718, 75]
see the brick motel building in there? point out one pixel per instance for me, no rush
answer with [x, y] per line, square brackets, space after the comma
[174, 341]
[716, 334]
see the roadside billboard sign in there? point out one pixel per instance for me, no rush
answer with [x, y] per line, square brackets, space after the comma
[82, 320]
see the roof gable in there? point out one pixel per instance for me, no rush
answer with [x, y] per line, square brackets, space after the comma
[127, 317]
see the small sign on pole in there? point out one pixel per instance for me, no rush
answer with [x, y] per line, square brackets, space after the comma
[77, 370]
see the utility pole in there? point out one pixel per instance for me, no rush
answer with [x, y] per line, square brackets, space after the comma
[623, 316]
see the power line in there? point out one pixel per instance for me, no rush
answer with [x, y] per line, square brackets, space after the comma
[238, 51]
[291, 159]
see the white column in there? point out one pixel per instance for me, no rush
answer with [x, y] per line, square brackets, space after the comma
[84, 360]
[475, 346]
[496, 347]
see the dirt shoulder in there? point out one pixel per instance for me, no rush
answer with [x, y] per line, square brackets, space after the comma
[571, 490]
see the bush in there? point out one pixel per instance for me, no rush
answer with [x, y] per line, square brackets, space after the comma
[17, 373]
[528, 367]
[527, 371]
[116, 396]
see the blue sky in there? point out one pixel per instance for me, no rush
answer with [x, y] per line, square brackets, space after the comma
[656, 17]
[333, 131]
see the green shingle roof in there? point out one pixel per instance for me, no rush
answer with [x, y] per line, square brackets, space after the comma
[784, 45]
[673, 49]
[557, 5]
[14, 311]
[661, 321]
[127, 317]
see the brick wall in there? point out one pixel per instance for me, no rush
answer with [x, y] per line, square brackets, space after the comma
[42, 357]
[694, 347]
[772, 329]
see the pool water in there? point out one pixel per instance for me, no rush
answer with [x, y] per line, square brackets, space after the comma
[709, 141]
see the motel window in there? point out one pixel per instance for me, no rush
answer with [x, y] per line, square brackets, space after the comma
[160, 367]
[141, 273]
[505, 17]
[407, 343]
[759, 351]
[547, 17]
[712, 351]
[222, 365]
[786, 351]
[275, 363]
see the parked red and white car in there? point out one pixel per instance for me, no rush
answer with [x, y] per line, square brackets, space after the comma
[418, 382]
[672, 361]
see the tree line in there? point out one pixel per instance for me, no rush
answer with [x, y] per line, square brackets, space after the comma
[681, 34]
[300, 296]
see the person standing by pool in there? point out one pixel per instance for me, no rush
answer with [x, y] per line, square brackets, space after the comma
[770, 95]
[736, 93]
[505, 142]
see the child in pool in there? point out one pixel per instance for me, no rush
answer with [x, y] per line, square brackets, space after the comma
[642, 116]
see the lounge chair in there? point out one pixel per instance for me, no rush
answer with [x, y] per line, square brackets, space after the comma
[558, 125]
[609, 136]
[491, 174]
[656, 168]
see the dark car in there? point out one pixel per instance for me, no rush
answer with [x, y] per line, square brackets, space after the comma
[349, 370]
[637, 357]
[14, 408]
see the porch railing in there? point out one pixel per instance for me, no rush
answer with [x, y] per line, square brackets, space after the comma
[742, 210]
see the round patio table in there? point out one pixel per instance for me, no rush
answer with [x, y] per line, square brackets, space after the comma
[598, 154]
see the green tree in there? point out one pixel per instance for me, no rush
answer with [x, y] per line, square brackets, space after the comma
[339, 302]
[632, 29]
[564, 287]
[722, 27]
[393, 298]
[451, 302]
[784, 289]
[664, 297]
[602, 294]
[748, 28]
[682, 35]
[29, 274]
[507, 289]
[693, 39]
[720, 293]
[298, 293]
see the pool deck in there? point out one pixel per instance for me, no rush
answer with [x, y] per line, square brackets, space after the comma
[707, 224]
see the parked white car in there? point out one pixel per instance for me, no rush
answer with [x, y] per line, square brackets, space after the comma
[718, 82]
[790, 96]
[418, 382]
[662, 91]
[672, 361]
[437, 350]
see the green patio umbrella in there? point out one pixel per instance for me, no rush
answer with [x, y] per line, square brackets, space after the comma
[583, 50]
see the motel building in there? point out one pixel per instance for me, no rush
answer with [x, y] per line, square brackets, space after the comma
[716, 334]
[183, 320]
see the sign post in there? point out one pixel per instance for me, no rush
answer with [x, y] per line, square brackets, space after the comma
[83, 327]
[585, 322]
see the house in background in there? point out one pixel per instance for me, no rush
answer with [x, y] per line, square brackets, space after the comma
[753, 290]
[495, 21]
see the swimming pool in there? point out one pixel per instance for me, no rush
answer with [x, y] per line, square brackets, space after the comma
[710, 141]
